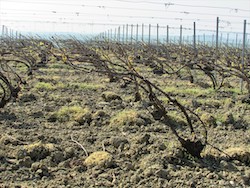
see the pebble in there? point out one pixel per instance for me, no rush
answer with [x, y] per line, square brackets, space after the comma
[210, 176]
[232, 182]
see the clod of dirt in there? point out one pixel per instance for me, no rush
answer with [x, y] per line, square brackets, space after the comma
[157, 114]
[149, 161]
[143, 139]
[69, 152]
[27, 97]
[227, 165]
[156, 170]
[40, 169]
[239, 153]
[118, 141]
[84, 117]
[127, 117]
[228, 118]
[99, 114]
[57, 156]
[100, 118]
[38, 151]
[25, 162]
[149, 171]
[99, 158]
[246, 99]
[109, 96]
[208, 119]
[52, 118]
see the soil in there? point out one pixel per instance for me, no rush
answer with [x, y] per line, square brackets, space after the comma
[83, 131]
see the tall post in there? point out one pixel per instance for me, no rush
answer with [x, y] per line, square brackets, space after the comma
[123, 33]
[227, 38]
[137, 30]
[149, 33]
[7, 31]
[2, 30]
[126, 33]
[142, 33]
[111, 35]
[180, 34]
[157, 34]
[204, 39]
[131, 38]
[213, 40]
[167, 34]
[217, 36]
[119, 34]
[243, 51]
[236, 40]
[108, 35]
[115, 34]
[194, 44]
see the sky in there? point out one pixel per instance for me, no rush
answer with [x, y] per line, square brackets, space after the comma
[94, 16]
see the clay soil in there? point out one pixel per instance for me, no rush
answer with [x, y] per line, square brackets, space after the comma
[63, 116]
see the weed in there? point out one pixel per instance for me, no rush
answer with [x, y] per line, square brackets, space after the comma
[67, 113]
[44, 86]
[124, 117]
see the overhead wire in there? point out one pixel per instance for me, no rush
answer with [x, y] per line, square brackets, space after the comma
[163, 3]
[111, 17]
[129, 8]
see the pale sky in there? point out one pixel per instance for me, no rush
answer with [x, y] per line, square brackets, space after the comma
[100, 15]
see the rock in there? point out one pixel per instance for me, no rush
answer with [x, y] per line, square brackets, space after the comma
[69, 152]
[118, 141]
[25, 162]
[99, 158]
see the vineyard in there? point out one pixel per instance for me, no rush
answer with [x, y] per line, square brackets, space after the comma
[103, 113]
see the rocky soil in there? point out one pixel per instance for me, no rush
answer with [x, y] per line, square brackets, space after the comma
[71, 129]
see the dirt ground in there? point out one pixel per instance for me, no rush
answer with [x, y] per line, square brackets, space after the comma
[71, 129]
